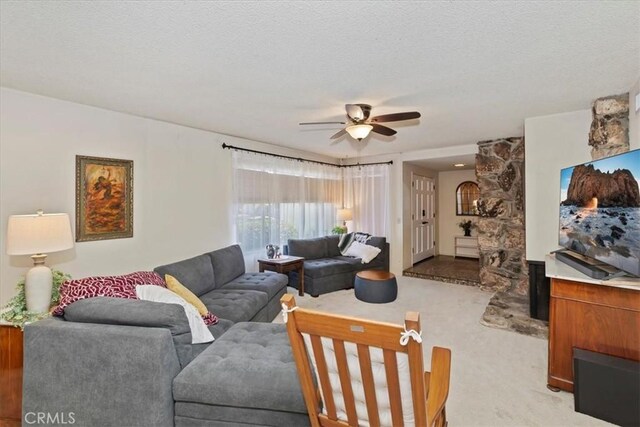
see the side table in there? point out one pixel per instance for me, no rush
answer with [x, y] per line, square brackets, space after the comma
[283, 265]
[11, 355]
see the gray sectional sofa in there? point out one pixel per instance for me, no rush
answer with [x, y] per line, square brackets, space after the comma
[325, 269]
[114, 362]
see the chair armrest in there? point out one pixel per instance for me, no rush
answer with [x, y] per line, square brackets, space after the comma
[438, 385]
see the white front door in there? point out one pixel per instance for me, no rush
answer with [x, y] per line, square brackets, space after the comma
[423, 237]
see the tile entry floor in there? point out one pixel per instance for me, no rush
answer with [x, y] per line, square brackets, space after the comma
[462, 271]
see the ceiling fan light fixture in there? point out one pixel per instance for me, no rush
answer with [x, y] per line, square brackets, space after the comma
[359, 132]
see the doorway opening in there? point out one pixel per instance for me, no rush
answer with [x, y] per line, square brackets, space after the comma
[442, 203]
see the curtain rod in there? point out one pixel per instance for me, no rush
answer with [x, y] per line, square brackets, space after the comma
[300, 159]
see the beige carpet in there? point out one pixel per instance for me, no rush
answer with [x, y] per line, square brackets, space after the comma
[498, 377]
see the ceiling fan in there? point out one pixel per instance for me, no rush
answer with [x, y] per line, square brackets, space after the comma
[359, 124]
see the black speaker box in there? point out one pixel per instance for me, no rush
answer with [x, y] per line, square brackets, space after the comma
[607, 387]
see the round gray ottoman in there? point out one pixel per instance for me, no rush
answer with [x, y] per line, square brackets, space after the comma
[376, 286]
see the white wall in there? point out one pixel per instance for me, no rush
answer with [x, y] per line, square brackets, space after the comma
[551, 143]
[182, 182]
[448, 182]
[634, 118]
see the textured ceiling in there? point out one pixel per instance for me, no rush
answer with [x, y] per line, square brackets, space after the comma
[474, 70]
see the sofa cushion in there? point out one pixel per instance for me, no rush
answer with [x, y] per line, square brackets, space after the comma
[378, 242]
[235, 304]
[195, 273]
[326, 267]
[129, 312]
[176, 287]
[365, 252]
[199, 331]
[347, 239]
[250, 366]
[187, 351]
[228, 263]
[308, 248]
[332, 246]
[134, 312]
[104, 286]
[268, 282]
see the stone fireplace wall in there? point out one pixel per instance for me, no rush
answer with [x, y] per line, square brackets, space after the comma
[501, 235]
[609, 133]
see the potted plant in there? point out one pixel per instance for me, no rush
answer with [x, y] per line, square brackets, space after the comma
[15, 312]
[467, 226]
[339, 229]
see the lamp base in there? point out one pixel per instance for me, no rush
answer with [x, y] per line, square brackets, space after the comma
[38, 286]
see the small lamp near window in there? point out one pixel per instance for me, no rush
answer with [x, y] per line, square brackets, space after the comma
[345, 215]
[37, 235]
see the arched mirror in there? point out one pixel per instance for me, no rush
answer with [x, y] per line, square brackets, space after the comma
[467, 195]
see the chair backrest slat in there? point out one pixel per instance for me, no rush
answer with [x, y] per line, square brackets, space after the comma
[416, 369]
[393, 387]
[323, 374]
[350, 329]
[350, 351]
[369, 385]
[345, 381]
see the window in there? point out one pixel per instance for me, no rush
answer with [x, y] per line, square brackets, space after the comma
[278, 199]
[467, 195]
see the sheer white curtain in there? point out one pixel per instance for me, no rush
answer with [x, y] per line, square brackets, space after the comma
[276, 199]
[367, 194]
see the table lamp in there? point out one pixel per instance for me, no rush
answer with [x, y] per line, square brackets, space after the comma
[345, 215]
[37, 235]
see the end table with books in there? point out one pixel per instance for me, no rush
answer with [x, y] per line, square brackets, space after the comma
[283, 265]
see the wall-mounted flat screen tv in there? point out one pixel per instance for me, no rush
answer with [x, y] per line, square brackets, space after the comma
[600, 210]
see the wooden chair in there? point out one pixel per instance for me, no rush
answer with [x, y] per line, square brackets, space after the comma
[371, 379]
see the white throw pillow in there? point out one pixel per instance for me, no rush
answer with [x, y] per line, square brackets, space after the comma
[199, 331]
[360, 250]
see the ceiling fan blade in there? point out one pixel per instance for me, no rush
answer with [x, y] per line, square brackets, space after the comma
[322, 123]
[383, 130]
[396, 117]
[338, 134]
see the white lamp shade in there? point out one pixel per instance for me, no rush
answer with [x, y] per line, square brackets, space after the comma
[359, 131]
[345, 215]
[38, 234]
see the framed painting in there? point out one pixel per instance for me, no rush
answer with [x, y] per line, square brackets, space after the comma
[104, 198]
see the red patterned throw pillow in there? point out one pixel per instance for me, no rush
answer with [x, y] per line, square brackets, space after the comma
[105, 286]
[210, 318]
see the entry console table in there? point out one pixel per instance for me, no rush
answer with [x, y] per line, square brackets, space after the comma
[466, 246]
[590, 314]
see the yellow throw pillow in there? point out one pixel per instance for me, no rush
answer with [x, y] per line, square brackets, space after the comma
[175, 286]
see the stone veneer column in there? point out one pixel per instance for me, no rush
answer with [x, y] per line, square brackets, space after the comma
[500, 174]
[609, 134]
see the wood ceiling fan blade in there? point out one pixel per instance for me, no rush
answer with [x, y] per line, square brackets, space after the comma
[322, 123]
[396, 117]
[338, 134]
[383, 130]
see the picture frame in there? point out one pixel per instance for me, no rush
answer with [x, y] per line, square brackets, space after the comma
[104, 198]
